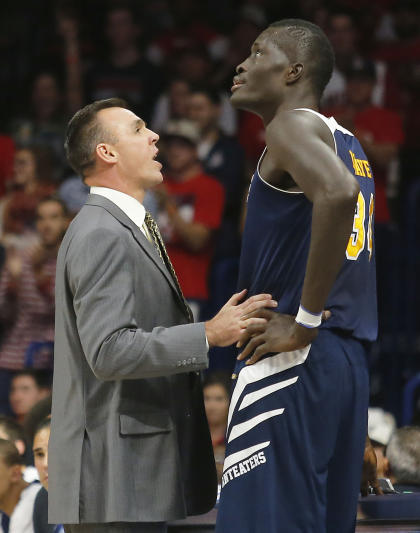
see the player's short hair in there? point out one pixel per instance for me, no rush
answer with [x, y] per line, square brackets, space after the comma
[403, 454]
[9, 453]
[84, 132]
[41, 377]
[312, 46]
[12, 429]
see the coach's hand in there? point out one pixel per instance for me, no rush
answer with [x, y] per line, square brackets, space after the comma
[279, 333]
[234, 317]
[369, 476]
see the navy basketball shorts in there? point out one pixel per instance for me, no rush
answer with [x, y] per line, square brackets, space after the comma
[295, 441]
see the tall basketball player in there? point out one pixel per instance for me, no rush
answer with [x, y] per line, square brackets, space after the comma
[298, 416]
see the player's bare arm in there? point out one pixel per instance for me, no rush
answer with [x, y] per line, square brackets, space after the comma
[301, 145]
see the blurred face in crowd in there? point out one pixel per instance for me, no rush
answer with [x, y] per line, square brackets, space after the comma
[24, 168]
[46, 97]
[359, 91]
[41, 455]
[121, 29]
[342, 34]
[216, 402]
[135, 150]
[180, 154]
[51, 223]
[203, 111]
[179, 94]
[24, 394]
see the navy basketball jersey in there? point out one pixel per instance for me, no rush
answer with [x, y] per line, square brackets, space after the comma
[276, 242]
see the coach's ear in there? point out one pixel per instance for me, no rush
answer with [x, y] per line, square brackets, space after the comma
[294, 73]
[106, 153]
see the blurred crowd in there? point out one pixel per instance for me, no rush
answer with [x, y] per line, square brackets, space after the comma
[173, 62]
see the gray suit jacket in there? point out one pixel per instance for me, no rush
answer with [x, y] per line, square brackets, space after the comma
[129, 439]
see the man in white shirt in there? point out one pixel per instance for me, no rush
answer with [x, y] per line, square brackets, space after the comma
[16, 495]
[129, 448]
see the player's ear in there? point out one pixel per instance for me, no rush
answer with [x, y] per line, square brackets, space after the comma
[294, 72]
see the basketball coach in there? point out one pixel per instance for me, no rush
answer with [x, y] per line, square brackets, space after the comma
[129, 447]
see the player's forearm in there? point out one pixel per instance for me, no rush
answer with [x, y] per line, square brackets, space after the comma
[332, 220]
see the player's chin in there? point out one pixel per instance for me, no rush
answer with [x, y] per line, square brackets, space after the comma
[240, 99]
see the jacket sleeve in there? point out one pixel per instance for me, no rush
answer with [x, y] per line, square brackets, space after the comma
[100, 275]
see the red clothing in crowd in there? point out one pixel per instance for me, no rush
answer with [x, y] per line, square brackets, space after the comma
[380, 125]
[200, 199]
[383, 126]
[7, 152]
[28, 312]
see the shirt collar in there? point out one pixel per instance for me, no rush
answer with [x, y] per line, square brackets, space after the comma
[131, 207]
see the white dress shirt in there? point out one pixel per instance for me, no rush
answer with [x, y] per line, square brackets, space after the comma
[131, 207]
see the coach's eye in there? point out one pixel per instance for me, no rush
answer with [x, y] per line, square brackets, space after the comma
[258, 53]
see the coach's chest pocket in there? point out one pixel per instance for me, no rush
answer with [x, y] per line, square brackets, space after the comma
[147, 423]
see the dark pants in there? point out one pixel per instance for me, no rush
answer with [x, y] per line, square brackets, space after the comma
[296, 442]
[118, 527]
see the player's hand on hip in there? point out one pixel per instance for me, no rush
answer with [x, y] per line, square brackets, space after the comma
[226, 327]
[279, 333]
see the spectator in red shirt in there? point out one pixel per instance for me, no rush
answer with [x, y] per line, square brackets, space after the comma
[378, 129]
[191, 208]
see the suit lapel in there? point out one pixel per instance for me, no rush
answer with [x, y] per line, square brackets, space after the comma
[145, 244]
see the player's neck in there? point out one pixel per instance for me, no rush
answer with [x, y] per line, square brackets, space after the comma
[293, 101]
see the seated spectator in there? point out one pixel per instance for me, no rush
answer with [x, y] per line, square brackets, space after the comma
[223, 158]
[216, 389]
[17, 497]
[31, 181]
[191, 207]
[403, 459]
[27, 295]
[12, 431]
[173, 104]
[40, 449]
[27, 388]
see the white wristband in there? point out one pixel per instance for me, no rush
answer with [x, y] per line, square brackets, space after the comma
[307, 319]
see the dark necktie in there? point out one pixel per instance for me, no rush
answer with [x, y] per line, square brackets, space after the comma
[156, 237]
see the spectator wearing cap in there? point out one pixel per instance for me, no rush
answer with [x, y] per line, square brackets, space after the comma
[191, 208]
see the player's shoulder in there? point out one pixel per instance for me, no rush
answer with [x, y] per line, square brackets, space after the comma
[298, 125]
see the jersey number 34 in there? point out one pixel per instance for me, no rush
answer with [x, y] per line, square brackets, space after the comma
[361, 236]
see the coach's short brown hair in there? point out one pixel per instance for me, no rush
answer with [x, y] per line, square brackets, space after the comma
[85, 132]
